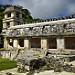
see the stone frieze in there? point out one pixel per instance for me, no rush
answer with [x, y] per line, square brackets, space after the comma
[43, 30]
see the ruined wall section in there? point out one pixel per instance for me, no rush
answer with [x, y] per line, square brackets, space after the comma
[62, 27]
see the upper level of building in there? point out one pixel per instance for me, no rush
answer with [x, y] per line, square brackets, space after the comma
[51, 28]
[12, 12]
[12, 17]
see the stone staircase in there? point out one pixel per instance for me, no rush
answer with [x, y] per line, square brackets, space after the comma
[16, 54]
[30, 53]
[35, 53]
[65, 55]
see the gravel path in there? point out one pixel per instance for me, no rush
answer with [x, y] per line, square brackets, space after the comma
[54, 73]
[9, 70]
[49, 72]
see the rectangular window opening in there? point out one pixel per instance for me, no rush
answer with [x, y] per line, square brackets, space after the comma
[35, 42]
[21, 42]
[52, 44]
[9, 14]
[69, 42]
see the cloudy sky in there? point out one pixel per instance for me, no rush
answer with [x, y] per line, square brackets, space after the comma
[45, 9]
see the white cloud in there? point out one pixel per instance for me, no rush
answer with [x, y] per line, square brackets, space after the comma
[46, 8]
[71, 9]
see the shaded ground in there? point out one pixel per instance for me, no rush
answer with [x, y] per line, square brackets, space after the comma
[13, 71]
[50, 72]
[54, 73]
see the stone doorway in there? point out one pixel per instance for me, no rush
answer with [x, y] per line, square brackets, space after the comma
[52, 43]
[21, 42]
[10, 42]
[35, 42]
[69, 42]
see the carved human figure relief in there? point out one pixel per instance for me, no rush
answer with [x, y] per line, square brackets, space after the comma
[69, 28]
[18, 31]
[46, 30]
[36, 30]
[26, 31]
[54, 28]
[21, 31]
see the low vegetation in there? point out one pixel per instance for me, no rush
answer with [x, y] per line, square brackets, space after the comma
[7, 64]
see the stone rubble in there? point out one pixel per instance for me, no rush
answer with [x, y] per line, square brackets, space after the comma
[42, 64]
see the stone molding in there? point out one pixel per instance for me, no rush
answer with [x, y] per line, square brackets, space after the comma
[43, 29]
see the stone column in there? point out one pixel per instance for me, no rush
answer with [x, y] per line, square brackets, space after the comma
[60, 43]
[12, 23]
[6, 16]
[13, 14]
[6, 42]
[5, 25]
[26, 43]
[44, 43]
[15, 43]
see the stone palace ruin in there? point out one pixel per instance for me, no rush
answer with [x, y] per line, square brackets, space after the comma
[57, 36]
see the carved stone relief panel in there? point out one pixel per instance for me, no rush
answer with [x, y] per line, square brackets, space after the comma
[55, 29]
[26, 31]
[18, 31]
[21, 32]
[69, 29]
[46, 29]
[36, 30]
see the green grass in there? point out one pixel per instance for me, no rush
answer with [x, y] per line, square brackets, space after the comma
[7, 64]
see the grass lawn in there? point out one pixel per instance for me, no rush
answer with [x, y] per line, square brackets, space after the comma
[7, 64]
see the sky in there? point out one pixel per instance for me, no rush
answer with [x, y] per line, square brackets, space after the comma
[45, 9]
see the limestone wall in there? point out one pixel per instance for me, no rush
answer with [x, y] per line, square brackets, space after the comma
[11, 53]
[61, 27]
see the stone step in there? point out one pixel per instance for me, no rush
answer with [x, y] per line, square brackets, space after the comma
[28, 53]
[62, 52]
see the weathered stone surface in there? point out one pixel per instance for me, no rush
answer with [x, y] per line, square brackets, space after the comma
[63, 27]
[9, 73]
[44, 63]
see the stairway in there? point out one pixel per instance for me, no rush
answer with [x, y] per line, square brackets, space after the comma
[30, 53]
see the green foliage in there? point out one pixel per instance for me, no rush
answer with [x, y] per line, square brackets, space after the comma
[30, 20]
[1, 17]
[7, 64]
[26, 14]
[27, 18]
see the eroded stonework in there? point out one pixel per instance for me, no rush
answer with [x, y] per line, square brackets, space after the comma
[53, 35]
[43, 29]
